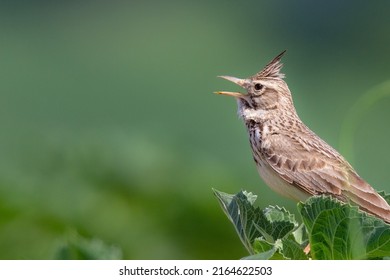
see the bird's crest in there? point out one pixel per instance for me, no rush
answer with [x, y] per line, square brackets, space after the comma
[272, 69]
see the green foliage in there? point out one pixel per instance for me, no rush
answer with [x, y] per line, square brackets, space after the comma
[335, 230]
[79, 248]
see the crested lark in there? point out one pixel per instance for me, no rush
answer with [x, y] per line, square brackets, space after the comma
[290, 158]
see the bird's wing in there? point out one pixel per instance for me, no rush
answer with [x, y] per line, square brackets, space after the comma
[303, 164]
[317, 168]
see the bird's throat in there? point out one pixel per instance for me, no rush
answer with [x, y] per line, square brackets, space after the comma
[248, 113]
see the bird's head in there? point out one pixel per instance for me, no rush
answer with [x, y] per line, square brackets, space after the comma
[265, 91]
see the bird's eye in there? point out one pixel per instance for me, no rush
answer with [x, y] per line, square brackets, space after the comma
[258, 86]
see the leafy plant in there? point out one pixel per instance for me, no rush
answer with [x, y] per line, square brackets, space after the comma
[333, 229]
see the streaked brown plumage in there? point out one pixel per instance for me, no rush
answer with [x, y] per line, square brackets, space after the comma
[290, 158]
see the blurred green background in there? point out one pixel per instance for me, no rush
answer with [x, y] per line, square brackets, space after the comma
[111, 133]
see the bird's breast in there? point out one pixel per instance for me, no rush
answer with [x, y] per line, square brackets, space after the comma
[278, 184]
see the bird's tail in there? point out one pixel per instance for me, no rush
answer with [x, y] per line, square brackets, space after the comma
[363, 195]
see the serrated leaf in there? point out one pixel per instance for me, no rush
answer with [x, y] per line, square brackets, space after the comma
[341, 231]
[252, 222]
[243, 215]
[250, 197]
[276, 213]
[336, 230]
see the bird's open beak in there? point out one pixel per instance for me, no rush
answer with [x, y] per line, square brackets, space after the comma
[240, 82]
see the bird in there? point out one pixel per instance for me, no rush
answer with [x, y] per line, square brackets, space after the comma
[290, 158]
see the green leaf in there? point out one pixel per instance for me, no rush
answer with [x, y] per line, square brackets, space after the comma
[260, 245]
[336, 230]
[292, 250]
[335, 236]
[251, 222]
[246, 219]
[301, 236]
[341, 231]
[266, 251]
